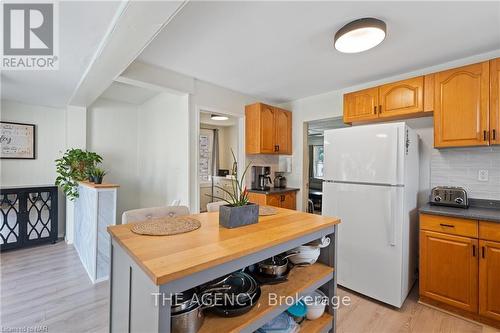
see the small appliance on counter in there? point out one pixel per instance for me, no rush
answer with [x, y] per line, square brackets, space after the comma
[449, 196]
[279, 180]
[223, 173]
[261, 178]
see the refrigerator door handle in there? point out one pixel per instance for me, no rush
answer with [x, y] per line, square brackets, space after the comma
[393, 207]
[395, 160]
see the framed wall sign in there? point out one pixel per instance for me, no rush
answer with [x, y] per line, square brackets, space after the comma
[17, 140]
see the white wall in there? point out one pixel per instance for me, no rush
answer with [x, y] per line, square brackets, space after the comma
[163, 150]
[202, 95]
[330, 104]
[112, 132]
[144, 149]
[50, 145]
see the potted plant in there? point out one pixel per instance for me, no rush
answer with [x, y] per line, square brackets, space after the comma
[97, 175]
[74, 166]
[238, 211]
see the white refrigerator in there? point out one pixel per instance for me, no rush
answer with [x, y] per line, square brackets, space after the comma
[371, 183]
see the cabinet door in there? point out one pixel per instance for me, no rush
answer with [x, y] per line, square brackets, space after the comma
[449, 269]
[429, 93]
[495, 101]
[289, 200]
[257, 198]
[402, 97]
[283, 123]
[267, 132]
[461, 105]
[489, 279]
[361, 105]
[273, 200]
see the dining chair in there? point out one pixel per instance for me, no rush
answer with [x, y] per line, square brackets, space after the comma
[214, 206]
[142, 214]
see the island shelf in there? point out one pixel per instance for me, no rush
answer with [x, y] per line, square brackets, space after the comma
[143, 267]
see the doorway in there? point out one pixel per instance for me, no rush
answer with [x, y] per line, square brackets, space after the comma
[219, 136]
[314, 161]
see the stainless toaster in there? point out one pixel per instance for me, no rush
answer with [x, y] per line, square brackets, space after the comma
[449, 196]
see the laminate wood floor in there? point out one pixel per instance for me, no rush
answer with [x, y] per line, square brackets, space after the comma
[367, 315]
[46, 286]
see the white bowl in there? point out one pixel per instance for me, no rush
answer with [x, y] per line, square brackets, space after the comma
[305, 256]
[316, 307]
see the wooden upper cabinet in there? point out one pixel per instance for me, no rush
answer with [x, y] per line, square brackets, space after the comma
[429, 92]
[397, 100]
[361, 105]
[495, 101]
[461, 106]
[267, 125]
[489, 279]
[268, 130]
[449, 269]
[402, 97]
[283, 123]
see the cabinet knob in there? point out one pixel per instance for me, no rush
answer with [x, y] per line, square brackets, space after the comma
[485, 135]
[493, 134]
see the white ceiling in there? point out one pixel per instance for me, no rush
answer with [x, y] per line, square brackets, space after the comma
[281, 51]
[82, 26]
[122, 92]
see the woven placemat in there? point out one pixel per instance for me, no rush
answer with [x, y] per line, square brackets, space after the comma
[267, 210]
[166, 226]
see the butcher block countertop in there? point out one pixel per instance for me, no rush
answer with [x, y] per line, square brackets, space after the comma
[167, 258]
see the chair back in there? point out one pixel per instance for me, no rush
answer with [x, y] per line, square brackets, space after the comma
[144, 214]
[214, 206]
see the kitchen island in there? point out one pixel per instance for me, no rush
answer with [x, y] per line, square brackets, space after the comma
[144, 266]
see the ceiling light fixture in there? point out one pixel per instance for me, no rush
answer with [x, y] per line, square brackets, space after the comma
[360, 35]
[218, 117]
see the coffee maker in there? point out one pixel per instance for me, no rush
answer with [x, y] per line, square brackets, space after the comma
[261, 178]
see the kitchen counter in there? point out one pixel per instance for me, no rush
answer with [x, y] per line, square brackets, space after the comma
[484, 210]
[274, 190]
[143, 266]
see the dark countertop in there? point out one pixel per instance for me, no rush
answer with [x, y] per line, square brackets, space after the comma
[484, 210]
[276, 190]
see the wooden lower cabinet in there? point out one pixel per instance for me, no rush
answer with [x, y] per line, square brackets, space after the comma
[489, 279]
[460, 266]
[289, 200]
[286, 200]
[448, 269]
[273, 200]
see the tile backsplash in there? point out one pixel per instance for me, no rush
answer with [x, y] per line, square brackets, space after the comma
[460, 167]
[262, 160]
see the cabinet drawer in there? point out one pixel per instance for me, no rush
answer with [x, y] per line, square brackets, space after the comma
[489, 231]
[449, 225]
